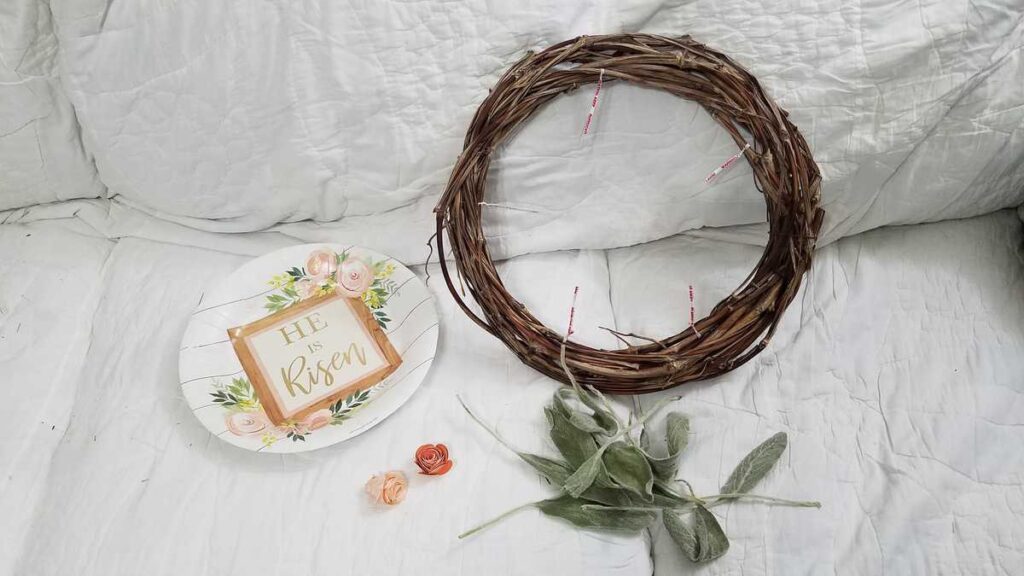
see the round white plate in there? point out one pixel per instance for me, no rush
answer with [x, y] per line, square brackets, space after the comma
[218, 390]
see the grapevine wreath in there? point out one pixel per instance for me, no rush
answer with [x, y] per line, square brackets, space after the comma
[738, 327]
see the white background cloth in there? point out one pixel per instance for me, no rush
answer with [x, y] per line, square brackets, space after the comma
[239, 115]
[896, 372]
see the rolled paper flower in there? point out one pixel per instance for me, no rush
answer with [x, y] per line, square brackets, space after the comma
[246, 423]
[388, 488]
[318, 419]
[321, 263]
[354, 277]
[433, 459]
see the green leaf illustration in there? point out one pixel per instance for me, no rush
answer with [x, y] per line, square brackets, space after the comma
[343, 409]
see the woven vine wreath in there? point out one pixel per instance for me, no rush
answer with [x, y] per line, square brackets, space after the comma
[737, 328]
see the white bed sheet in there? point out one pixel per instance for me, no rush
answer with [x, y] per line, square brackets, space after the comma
[896, 374]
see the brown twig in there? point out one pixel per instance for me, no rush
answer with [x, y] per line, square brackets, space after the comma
[784, 172]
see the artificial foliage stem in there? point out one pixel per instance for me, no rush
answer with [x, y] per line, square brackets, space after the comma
[496, 519]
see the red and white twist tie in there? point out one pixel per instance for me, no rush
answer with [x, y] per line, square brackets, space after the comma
[693, 311]
[572, 312]
[725, 165]
[693, 314]
[593, 103]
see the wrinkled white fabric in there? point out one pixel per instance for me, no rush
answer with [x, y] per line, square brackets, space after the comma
[238, 115]
[895, 374]
[896, 371]
[42, 158]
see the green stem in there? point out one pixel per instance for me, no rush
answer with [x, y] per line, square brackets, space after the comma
[724, 498]
[687, 503]
[610, 441]
[688, 487]
[485, 426]
[667, 488]
[496, 519]
[684, 508]
[579, 390]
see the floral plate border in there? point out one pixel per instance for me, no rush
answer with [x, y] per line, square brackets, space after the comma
[220, 394]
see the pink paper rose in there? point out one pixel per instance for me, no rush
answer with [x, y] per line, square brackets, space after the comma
[317, 419]
[246, 423]
[354, 277]
[321, 264]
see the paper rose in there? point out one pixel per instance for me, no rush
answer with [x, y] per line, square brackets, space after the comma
[321, 264]
[433, 459]
[246, 423]
[354, 277]
[388, 488]
[317, 419]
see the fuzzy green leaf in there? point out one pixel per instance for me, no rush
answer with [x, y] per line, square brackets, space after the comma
[618, 496]
[575, 445]
[677, 434]
[628, 467]
[711, 540]
[572, 510]
[555, 471]
[611, 496]
[681, 534]
[581, 420]
[602, 415]
[584, 476]
[755, 465]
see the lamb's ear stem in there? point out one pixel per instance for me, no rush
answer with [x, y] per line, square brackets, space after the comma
[582, 393]
[496, 519]
[484, 425]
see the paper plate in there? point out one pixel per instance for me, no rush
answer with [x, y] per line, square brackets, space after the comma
[392, 309]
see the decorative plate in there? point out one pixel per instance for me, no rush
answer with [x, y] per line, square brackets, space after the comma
[306, 347]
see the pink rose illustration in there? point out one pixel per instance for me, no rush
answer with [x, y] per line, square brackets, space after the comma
[306, 288]
[317, 419]
[246, 423]
[354, 277]
[321, 264]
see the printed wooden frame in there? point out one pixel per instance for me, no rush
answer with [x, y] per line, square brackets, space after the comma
[240, 335]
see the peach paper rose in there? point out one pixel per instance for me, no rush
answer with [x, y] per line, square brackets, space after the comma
[354, 277]
[388, 488]
[321, 264]
[246, 423]
[317, 419]
[433, 459]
